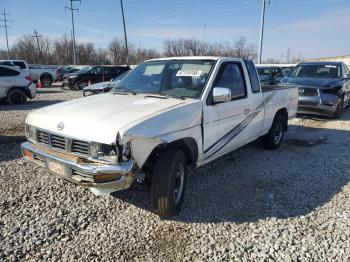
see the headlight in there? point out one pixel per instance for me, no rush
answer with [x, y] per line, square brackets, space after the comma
[126, 155]
[73, 76]
[332, 90]
[104, 152]
[30, 133]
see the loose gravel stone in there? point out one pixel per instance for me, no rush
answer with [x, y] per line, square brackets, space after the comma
[291, 204]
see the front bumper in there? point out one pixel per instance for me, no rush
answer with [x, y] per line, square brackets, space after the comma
[322, 104]
[100, 178]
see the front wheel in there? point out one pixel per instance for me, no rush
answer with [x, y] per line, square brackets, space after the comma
[339, 109]
[274, 137]
[168, 183]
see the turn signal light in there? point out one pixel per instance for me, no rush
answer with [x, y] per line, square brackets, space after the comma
[28, 154]
[106, 177]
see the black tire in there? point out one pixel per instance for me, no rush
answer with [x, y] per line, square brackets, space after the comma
[16, 97]
[46, 80]
[166, 178]
[80, 85]
[339, 109]
[274, 137]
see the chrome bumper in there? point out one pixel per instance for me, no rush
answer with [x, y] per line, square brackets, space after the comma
[82, 172]
[323, 104]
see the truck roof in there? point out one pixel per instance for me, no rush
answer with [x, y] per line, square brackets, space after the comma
[321, 63]
[187, 58]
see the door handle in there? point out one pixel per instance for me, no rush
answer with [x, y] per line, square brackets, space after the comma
[246, 111]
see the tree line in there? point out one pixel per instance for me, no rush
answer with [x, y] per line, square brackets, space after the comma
[59, 51]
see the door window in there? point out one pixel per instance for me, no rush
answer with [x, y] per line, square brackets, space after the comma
[231, 76]
[8, 72]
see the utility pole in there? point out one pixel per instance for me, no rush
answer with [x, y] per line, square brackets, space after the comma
[204, 29]
[262, 29]
[125, 38]
[37, 41]
[5, 20]
[72, 13]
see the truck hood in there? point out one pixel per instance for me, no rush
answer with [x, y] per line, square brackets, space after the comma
[312, 81]
[99, 118]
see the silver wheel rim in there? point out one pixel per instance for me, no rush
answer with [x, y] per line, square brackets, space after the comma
[179, 183]
[278, 133]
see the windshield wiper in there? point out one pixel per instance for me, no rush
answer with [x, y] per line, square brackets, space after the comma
[124, 90]
[157, 96]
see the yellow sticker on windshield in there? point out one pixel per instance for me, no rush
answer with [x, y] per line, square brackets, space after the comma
[192, 73]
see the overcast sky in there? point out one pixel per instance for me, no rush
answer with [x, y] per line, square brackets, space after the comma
[312, 28]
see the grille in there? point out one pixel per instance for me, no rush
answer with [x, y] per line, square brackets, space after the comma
[58, 142]
[42, 137]
[308, 91]
[80, 147]
[63, 143]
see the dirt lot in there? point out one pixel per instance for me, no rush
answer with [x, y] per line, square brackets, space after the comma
[292, 204]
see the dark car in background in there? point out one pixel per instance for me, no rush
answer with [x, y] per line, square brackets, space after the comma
[103, 87]
[93, 74]
[324, 87]
[269, 75]
[63, 70]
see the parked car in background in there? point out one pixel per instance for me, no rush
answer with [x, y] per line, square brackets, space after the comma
[21, 64]
[15, 85]
[44, 73]
[269, 75]
[324, 87]
[63, 70]
[103, 87]
[166, 117]
[92, 75]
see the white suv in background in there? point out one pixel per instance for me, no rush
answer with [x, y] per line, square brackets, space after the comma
[15, 85]
[21, 64]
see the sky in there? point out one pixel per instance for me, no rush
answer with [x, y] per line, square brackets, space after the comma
[310, 28]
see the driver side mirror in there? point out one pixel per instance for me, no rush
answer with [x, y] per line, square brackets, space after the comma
[221, 95]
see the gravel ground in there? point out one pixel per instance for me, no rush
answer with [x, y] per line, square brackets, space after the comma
[291, 204]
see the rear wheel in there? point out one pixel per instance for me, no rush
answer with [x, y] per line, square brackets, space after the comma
[16, 97]
[274, 137]
[46, 80]
[168, 183]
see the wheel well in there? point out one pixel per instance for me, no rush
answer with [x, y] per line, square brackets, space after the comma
[24, 90]
[284, 113]
[187, 145]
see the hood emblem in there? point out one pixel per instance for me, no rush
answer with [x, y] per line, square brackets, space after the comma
[60, 126]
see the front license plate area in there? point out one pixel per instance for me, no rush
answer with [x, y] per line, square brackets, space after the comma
[56, 168]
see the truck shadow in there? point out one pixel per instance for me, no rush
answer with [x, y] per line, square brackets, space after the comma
[253, 183]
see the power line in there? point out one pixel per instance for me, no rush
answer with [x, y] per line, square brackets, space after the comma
[73, 32]
[37, 41]
[5, 20]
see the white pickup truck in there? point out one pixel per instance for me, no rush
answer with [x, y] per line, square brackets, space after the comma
[165, 117]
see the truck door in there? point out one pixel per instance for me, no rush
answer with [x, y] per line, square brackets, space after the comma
[232, 124]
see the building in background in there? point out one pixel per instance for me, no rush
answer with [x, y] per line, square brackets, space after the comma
[344, 58]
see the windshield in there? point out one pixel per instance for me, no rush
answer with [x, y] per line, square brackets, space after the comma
[178, 78]
[316, 70]
[262, 71]
[84, 69]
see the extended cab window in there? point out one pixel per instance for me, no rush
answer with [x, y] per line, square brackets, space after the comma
[231, 76]
[8, 72]
[20, 64]
[254, 80]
